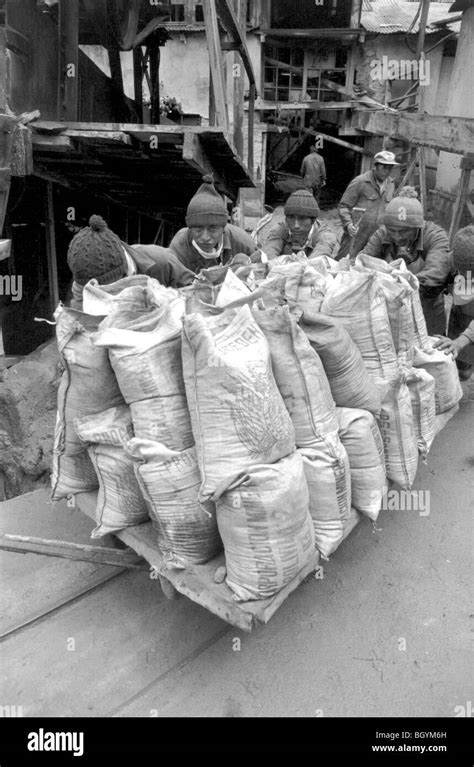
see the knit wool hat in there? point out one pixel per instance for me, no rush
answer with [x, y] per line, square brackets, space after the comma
[207, 206]
[404, 213]
[301, 203]
[463, 249]
[96, 252]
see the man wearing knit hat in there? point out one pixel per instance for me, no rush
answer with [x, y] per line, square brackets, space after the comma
[369, 192]
[424, 247]
[97, 252]
[208, 240]
[301, 230]
[461, 319]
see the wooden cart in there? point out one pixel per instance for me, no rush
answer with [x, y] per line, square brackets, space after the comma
[197, 582]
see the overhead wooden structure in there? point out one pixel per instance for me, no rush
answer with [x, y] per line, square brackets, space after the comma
[152, 169]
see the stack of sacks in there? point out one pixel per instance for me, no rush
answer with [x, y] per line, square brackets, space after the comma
[242, 432]
[403, 306]
[361, 438]
[302, 382]
[169, 480]
[88, 386]
[349, 381]
[119, 502]
[145, 353]
[358, 302]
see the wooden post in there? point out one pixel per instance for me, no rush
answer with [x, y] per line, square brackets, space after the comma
[422, 173]
[251, 118]
[155, 55]
[51, 249]
[68, 59]
[215, 61]
[137, 82]
[239, 82]
[467, 165]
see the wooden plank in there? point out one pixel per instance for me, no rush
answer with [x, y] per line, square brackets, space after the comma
[461, 197]
[29, 544]
[51, 250]
[234, 24]
[215, 63]
[197, 581]
[422, 172]
[100, 137]
[68, 59]
[450, 134]
[194, 155]
[53, 143]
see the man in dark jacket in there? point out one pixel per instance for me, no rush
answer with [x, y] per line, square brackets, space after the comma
[301, 230]
[313, 171]
[370, 191]
[208, 240]
[424, 246]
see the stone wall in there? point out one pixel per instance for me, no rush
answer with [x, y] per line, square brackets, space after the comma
[28, 402]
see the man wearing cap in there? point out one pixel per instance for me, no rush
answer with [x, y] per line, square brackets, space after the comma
[208, 240]
[313, 171]
[97, 252]
[370, 191]
[424, 246]
[301, 230]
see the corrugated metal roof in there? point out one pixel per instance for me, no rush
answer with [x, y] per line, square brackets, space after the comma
[387, 17]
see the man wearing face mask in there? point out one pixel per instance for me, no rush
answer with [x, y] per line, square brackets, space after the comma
[424, 246]
[208, 240]
[301, 230]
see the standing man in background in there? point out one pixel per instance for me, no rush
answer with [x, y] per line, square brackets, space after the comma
[371, 191]
[313, 171]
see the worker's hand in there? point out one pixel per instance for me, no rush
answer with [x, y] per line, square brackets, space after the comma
[323, 183]
[449, 346]
[352, 230]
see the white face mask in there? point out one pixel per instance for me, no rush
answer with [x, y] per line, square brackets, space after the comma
[212, 254]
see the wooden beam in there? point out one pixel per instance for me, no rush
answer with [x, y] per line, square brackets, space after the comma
[461, 197]
[215, 63]
[68, 55]
[100, 555]
[53, 143]
[314, 34]
[51, 249]
[450, 134]
[234, 24]
[195, 156]
[422, 174]
[239, 83]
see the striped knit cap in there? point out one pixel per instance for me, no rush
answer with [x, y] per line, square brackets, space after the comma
[96, 252]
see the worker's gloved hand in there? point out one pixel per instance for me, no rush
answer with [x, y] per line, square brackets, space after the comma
[323, 183]
[352, 230]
